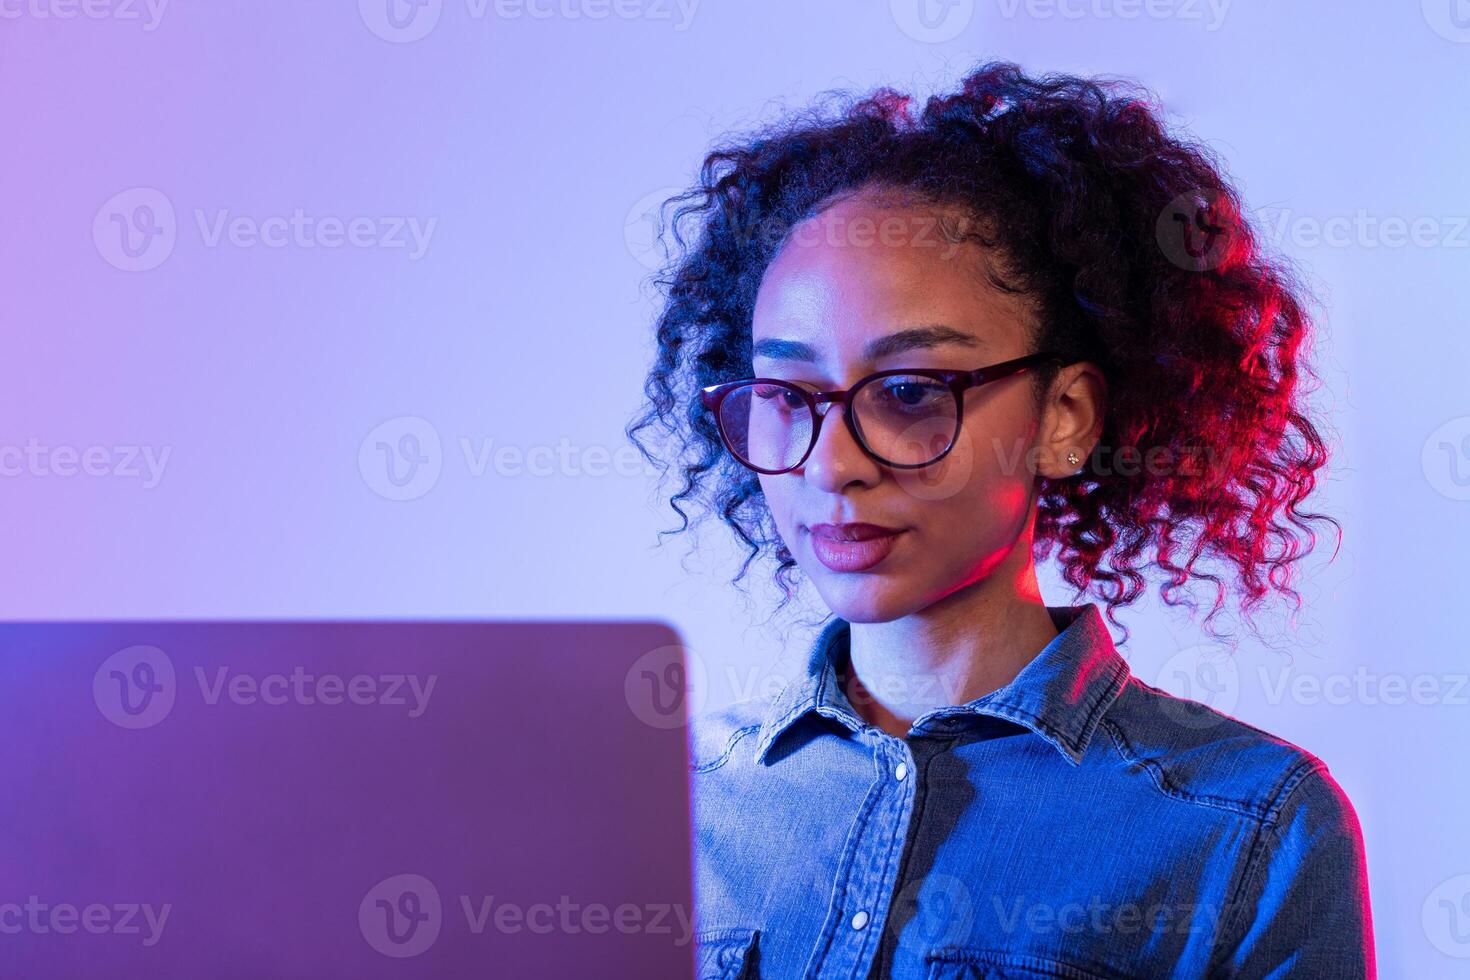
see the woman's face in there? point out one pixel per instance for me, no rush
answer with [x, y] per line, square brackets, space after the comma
[865, 271]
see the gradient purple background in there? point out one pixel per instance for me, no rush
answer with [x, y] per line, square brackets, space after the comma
[536, 145]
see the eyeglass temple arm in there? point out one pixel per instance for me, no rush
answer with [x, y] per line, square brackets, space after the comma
[995, 372]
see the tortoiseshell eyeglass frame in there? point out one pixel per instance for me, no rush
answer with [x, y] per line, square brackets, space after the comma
[713, 397]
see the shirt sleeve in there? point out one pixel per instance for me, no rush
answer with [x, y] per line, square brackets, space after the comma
[1302, 908]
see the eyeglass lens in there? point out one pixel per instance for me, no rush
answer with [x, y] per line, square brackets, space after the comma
[905, 420]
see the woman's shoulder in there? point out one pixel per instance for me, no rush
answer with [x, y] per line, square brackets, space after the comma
[1198, 754]
[714, 734]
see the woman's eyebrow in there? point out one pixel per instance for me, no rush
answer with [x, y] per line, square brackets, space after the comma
[913, 338]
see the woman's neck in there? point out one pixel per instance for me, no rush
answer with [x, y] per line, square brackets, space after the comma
[950, 653]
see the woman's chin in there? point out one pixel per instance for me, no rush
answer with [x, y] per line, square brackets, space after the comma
[863, 598]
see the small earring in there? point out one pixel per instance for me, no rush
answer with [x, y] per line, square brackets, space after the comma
[1073, 459]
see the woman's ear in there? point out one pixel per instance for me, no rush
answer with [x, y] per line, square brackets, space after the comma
[1071, 420]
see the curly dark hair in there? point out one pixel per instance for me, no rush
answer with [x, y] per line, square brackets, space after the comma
[1136, 255]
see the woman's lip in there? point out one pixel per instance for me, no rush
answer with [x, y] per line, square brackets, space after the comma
[854, 531]
[853, 556]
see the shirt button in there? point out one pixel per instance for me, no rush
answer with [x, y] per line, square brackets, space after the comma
[901, 771]
[860, 919]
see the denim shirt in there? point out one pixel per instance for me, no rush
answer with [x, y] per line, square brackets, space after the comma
[1074, 823]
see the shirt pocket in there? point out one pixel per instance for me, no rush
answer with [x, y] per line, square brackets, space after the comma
[726, 954]
[955, 963]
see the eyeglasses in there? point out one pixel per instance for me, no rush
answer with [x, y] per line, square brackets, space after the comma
[904, 418]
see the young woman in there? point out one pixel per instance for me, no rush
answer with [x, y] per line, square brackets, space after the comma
[907, 356]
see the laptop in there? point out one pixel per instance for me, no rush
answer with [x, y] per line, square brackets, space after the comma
[344, 799]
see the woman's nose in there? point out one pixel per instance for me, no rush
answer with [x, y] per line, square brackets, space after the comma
[837, 459]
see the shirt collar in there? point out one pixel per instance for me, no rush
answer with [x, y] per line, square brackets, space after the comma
[1060, 694]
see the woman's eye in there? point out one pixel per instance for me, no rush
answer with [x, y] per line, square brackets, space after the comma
[911, 394]
[783, 397]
